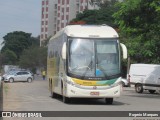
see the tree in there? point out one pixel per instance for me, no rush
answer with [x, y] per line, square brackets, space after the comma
[44, 43]
[101, 16]
[9, 57]
[34, 57]
[16, 42]
[139, 24]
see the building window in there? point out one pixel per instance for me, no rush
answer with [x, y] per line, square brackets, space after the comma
[77, 12]
[46, 15]
[62, 10]
[58, 14]
[67, 1]
[42, 15]
[62, 25]
[46, 22]
[42, 22]
[47, 2]
[42, 2]
[55, 6]
[81, 8]
[81, 1]
[58, 7]
[77, 7]
[58, 22]
[55, 13]
[45, 36]
[42, 9]
[67, 17]
[63, 2]
[59, 1]
[67, 9]
[62, 17]
[46, 9]
[41, 36]
[46, 29]
[57, 28]
[42, 29]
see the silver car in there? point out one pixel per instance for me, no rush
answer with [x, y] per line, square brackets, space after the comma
[125, 82]
[19, 76]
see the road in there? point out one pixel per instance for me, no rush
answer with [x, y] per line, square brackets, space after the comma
[22, 96]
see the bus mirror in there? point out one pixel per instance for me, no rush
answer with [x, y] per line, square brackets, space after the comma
[64, 51]
[124, 49]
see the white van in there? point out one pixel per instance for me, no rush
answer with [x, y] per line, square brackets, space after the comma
[145, 77]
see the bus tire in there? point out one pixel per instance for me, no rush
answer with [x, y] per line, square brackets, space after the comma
[66, 99]
[109, 101]
[54, 95]
[151, 91]
[138, 88]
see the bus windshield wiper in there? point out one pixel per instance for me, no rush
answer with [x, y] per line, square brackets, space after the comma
[89, 67]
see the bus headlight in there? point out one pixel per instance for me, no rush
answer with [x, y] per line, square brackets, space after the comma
[68, 81]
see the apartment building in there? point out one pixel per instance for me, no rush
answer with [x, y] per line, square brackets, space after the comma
[56, 14]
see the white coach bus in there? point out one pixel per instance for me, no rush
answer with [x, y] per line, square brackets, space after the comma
[84, 62]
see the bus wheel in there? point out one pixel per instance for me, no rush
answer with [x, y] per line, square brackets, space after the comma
[54, 95]
[139, 88]
[66, 99]
[152, 91]
[108, 101]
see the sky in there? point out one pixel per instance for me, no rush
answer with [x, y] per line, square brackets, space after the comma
[20, 15]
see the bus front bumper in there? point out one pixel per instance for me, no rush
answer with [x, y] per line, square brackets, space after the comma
[76, 92]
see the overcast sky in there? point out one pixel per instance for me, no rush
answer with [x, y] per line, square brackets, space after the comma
[20, 15]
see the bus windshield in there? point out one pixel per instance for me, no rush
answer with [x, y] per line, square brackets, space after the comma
[93, 58]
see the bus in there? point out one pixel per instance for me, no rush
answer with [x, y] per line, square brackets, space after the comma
[84, 61]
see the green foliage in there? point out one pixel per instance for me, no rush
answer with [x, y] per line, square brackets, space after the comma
[34, 57]
[10, 57]
[14, 44]
[17, 41]
[101, 16]
[139, 24]
[44, 43]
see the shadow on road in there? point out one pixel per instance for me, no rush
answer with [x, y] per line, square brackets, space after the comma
[146, 95]
[88, 101]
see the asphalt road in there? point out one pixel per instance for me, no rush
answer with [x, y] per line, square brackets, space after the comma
[35, 96]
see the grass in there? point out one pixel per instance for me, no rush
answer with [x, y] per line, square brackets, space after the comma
[5, 88]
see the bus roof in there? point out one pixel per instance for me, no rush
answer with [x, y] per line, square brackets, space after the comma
[85, 31]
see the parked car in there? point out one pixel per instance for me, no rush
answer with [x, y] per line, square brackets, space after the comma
[125, 82]
[7, 73]
[19, 76]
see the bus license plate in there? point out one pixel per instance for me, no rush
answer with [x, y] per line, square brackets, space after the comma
[94, 93]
